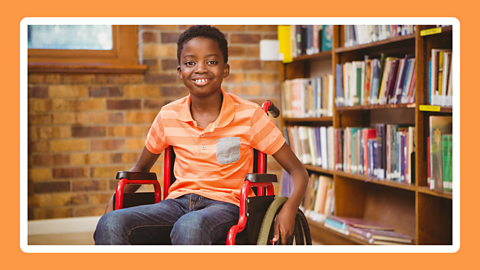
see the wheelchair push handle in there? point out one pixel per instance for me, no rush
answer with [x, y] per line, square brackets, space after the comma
[269, 107]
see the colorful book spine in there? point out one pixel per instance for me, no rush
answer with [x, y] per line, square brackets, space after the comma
[336, 226]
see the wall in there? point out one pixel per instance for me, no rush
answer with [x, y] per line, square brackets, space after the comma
[83, 128]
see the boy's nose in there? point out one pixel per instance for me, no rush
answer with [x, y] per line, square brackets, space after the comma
[201, 68]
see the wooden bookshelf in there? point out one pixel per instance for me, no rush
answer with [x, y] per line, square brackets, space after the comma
[412, 209]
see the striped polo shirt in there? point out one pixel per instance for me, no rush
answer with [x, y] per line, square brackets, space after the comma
[213, 162]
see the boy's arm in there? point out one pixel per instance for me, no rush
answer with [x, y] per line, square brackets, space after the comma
[285, 221]
[144, 164]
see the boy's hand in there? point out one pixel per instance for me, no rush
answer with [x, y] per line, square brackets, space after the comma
[284, 224]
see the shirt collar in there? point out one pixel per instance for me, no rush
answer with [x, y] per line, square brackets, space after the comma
[226, 115]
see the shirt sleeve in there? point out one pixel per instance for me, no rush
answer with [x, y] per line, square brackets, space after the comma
[155, 142]
[265, 136]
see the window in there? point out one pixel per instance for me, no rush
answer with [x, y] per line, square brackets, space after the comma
[83, 48]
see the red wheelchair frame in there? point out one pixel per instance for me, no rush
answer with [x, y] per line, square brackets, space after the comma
[267, 106]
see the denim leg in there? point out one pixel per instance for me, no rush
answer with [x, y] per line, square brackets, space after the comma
[145, 224]
[207, 222]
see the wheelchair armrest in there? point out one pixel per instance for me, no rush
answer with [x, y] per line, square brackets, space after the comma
[261, 177]
[136, 175]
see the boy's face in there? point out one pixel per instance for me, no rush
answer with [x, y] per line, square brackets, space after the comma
[202, 66]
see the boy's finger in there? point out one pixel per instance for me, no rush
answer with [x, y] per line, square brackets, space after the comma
[284, 238]
[275, 232]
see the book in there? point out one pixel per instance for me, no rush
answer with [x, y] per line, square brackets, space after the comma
[379, 236]
[335, 225]
[381, 151]
[447, 144]
[327, 37]
[306, 157]
[283, 32]
[439, 125]
[324, 183]
[363, 223]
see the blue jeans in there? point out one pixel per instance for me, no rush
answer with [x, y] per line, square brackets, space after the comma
[188, 220]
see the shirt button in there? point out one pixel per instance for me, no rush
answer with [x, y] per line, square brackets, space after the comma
[203, 135]
[203, 147]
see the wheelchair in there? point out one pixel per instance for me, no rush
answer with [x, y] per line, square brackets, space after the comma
[257, 213]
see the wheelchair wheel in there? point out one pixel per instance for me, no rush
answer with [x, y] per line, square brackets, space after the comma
[301, 232]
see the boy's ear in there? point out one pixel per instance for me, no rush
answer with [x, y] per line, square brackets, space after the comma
[226, 70]
[179, 72]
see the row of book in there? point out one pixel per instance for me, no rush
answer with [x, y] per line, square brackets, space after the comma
[312, 97]
[297, 40]
[319, 199]
[363, 34]
[388, 80]
[440, 90]
[440, 153]
[368, 231]
[385, 152]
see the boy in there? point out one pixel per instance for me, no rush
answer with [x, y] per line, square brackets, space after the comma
[213, 134]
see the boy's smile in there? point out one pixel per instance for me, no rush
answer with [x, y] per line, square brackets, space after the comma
[202, 67]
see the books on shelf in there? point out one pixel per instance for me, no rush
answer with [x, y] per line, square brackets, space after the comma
[313, 145]
[305, 39]
[319, 196]
[379, 237]
[440, 153]
[388, 80]
[363, 223]
[385, 152]
[312, 97]
[363, 34]
[440, 78]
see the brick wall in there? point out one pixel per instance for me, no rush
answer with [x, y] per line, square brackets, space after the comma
[83, 128]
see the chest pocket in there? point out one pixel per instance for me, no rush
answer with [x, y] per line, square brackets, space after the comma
[228, 150]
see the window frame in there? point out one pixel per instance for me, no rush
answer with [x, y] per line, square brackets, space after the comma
[122, 58]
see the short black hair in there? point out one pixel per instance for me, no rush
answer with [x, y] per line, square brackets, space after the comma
[205, 31]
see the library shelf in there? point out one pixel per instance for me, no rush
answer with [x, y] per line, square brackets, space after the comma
[435, 109]
[309, 119]
[320, 55]
[427, 190]
[375, 107]
[376, 43]
[319, 169]
[375, 180]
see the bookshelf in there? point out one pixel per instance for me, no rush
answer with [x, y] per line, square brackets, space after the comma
[413, 209]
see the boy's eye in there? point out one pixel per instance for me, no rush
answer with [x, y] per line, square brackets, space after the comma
[189, 63]
[212, 62]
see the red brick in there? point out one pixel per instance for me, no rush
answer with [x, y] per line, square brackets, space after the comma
[235, 77]
[125, 131]
[271, 65]
[158, 27]
[80, 78]
[245, 65]
[89, 185]
[50, 160]
[89, 131]
[253, 51]
[245, 38]
[169, 64]
[131, 104]
[47, 213]
[56, 78]
[140, 117]
[264, 28]
[270, 36]
[87, 105]
[174, 91]
[170, 37]
[152, 64]
[39, 146]
[39, 119]
[69, 118]
[236, 51]
[125, 79]
[50, 187]
[105, 91]
[149, 37]
[230, 27]
[69, 145]
[89, 211]
[69, 172]
[39, 174]
[106, 172]
[36, 78]
[161, 78]
[101, 145]
[130, 157]
[106, 118]
[38, 92]
[155, 103]
[100, 198]
[66, 199]
[132, 91]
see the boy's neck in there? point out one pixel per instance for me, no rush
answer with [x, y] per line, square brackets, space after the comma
[205, 110]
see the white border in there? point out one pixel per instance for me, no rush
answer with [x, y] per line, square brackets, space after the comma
[236, 249]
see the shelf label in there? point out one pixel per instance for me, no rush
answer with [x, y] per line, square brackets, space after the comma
[429, 108]
[432, 31]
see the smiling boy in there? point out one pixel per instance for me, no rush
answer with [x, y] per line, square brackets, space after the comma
[213, 134]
